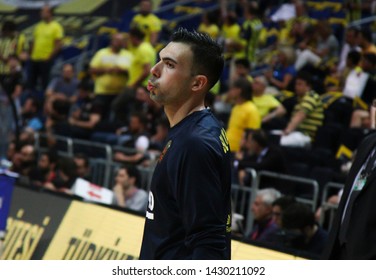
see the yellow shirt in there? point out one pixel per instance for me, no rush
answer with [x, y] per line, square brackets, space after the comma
[212, 30]
[148, 24]
[44, 36]
[143, 54]
[243, 116]
[111, 83]
[232, 32]
[265, 103]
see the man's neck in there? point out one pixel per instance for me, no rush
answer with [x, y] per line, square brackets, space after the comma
[176, 115]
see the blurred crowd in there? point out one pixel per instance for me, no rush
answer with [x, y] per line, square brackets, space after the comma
[295, 96]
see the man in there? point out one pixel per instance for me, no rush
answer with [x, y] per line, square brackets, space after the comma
[301, 232]
[259, 155]
[351, 44]
[110, 69]
[149, 23]
[144, 57]
[45, 170]
[244, 115]
[64, 86]
[352, 232]
[264, 227]
[47, 43]
[365, 41]
[83, 166]
[126, 190]
[189, 211]
[307, 117]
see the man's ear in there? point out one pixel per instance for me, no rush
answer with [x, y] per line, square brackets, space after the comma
[199, 83]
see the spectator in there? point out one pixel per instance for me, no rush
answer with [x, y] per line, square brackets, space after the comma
[267, 105]
[244, 114]
[83, 166]
[126, 190]
[149, 23]
[279, 206]
[324, 48]
[65, 85]
[47, 43]
[45, 171]
[259, 155]
[110, 69]
[24, 160]
[307, 117]
[12, 44]
[351, 44]
[264, 226]
[144, 56]
[86, 115]
[159, 140]
[30, 117]
[301, 231]
[134, 137]
[209, 24]
[283, 72]
[66, 175]
[365, 41]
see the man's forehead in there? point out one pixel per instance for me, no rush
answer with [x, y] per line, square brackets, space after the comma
[175, 50]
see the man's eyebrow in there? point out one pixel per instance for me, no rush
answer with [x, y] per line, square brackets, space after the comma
[164, 59]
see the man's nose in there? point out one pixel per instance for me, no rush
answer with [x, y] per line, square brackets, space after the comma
[155, 71]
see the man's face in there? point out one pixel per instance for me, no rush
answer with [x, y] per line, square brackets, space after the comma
[301, 87]
[45, 13]
[258, 86]
[260, 210]
[171, 78]
[145, 7]
[82, 170]
[122, 178]
[68, 72]
[44, 162]
[351, 38]
[117, 42]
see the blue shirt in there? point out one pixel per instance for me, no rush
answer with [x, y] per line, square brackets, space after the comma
[189, 211]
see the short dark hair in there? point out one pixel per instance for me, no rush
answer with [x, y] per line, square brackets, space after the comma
[245, 86]
[297, 216]
[284, 202]
[52, 156]
[137, 33]
[354, 57]
[305, 76]
[68, 167]
[84, 157]
[260, 137]
[207, 54]
[133, 172]
[243, 62]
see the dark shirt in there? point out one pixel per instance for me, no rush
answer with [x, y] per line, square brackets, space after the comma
[189, 211]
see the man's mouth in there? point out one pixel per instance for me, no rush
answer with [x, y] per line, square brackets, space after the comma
[150, 86]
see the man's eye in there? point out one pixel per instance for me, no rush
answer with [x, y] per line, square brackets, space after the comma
[169, 65]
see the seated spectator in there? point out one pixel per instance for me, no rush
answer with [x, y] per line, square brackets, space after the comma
[64, 86]
[325, 49]
[264, 226]
[259, 155]
[83, 166]
[86, 115]
[45, 171]
[126, 190]
[365, 41]
[268, 106]
[307, 117]
[66, 175]
[30, 115]
[279, 206]
[159, 139]
[283, 72]
[244, 115]
[57, 118]
[301, 231]
[24, 160]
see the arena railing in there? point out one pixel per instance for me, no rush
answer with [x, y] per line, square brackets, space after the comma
[291, 185]
[328, 210]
